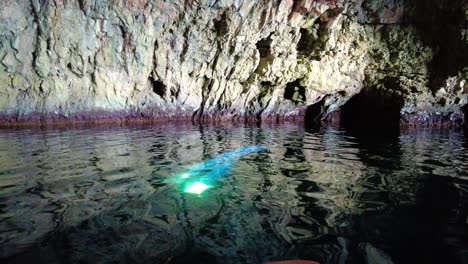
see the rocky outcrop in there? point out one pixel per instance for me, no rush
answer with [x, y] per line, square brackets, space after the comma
[228, 59]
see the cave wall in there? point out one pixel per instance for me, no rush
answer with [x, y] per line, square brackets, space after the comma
[226, 59]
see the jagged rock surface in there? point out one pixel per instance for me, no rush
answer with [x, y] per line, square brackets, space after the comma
[90, 59]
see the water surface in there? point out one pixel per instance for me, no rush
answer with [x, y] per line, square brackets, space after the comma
[108, 195]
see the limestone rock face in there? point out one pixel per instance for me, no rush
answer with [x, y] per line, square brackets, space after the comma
[91, 59]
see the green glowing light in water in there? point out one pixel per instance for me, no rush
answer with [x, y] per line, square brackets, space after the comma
[185, 175]
[197, 188]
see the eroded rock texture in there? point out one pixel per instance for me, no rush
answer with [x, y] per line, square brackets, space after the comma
[90, 59]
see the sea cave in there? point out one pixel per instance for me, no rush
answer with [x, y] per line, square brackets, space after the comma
[234, 131]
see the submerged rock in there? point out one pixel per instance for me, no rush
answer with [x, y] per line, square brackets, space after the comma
[117, 60]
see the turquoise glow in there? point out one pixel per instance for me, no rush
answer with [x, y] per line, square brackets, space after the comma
[203, 175]
[197, 188]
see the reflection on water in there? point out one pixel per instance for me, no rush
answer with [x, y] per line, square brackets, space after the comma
[104, 195]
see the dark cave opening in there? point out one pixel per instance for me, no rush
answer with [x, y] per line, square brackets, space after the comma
[372, 110]
[295, 92]
[264, 47]
[157, 86]
[266, 84]
[221, 24]
[305, 41]
[314, 113]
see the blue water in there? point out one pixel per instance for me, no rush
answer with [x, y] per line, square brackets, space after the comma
[108, 194]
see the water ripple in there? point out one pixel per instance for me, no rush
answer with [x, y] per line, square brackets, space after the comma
[108, 195]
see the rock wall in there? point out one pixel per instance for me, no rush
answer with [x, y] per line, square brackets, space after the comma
[228, 59]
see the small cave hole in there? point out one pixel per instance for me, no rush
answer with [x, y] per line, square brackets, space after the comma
[49, 44]
[266, 84]
[264, 47]
[372, 109]
[295, 92]
[157, 86]
[123, 31]
[305, 41]
[82, 4]
[221, 25]
[442, 102]
[457, 100]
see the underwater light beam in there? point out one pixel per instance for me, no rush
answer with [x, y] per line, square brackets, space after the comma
[213, 169]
